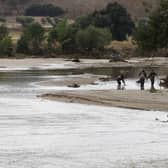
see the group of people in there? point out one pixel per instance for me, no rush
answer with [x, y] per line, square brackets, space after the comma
[142, 78]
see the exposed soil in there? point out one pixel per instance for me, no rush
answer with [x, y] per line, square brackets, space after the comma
[144, 100]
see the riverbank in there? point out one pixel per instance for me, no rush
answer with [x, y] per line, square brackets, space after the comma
[84, 63]
[133, 99]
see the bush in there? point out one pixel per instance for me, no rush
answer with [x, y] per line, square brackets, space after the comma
[24, 20]
[44, 10]
[93, 38]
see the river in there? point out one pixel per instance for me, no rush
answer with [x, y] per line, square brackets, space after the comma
[36, 133]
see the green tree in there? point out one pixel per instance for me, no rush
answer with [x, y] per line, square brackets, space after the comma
[114, 17]
[153, 33]
[44, 10]
[69, 44]
[52, 40]
[63, 36]
[58, 35]
[31, 41]
[23, 44]
[3, 32]
[93, 38]
[145, 37]
[84, 21]
[6, 46]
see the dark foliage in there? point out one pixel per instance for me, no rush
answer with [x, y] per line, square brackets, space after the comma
[114, 17]
[31, 41]
[24, 20]
[44, 10]
[152, 34]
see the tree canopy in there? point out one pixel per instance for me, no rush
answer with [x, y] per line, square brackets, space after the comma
[6, 46]
[152, 34]
[44, 10]
[114, 16]
[31, 41]
[93, 38]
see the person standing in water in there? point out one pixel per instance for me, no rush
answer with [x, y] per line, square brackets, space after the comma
[152, 76]
[120, 80]
[142, 78]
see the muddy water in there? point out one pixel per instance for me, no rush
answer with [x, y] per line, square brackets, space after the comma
[36, 133]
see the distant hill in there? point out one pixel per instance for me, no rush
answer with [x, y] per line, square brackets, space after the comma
[78, 7]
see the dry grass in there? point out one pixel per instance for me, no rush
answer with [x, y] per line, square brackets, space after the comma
[122, 45]
[15, 36]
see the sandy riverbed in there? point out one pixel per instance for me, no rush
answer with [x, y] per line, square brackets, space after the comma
[134, 99]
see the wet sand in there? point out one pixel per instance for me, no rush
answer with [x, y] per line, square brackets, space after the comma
[133, 99]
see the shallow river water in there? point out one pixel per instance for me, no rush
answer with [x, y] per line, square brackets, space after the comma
[37, 133]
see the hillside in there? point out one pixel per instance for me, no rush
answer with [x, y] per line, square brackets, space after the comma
[78, 7]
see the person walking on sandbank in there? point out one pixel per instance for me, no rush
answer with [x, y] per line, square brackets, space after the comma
[152, 76]
[120, 80]
[142, 78]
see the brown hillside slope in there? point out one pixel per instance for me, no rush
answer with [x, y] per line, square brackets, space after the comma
[79, 7]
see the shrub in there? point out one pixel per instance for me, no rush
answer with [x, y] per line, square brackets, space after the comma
[93, 38]
[24, 20]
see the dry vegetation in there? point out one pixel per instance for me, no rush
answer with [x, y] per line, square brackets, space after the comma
[126, 48]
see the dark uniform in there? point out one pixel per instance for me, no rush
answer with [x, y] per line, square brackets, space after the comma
[142, 77]
[152, 76]
[120, 80]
